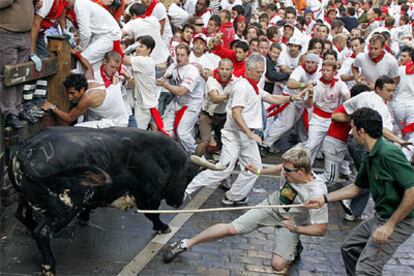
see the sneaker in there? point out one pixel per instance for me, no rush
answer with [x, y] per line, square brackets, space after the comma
[173, 251]
[227, 201]
[354, 217]
[346, 205]
[264, 150]
[187, 196]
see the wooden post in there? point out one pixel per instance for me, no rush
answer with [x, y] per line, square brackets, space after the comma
[56, 94]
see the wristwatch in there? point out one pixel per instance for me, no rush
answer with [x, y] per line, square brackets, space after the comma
[52, 107]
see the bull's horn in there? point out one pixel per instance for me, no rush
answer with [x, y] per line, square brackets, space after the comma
[204, 163]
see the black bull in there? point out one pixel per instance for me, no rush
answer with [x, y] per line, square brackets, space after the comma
[62, 172]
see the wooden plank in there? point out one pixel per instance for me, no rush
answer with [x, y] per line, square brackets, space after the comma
[21, 73]
[56, 91]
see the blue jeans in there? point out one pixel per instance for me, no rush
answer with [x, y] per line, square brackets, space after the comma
[357, 153]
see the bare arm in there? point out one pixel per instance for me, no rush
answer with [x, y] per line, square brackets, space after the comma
[176, 90]
[273, 170]
[73, 114]
[356, 75]
[216, 98]
[382, 233]
[340, 117]
[88, 67]
[309, 230]
[389, 135]
[238, 118]
[35, 31]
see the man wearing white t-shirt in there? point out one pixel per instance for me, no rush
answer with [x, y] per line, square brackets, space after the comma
[98, 31]
[149, 25]
[345, 72]
[302, 78]
[183, 80]
[403, 105]
[158, 10]
[146, 96]
[298, 185]
[239, 140]
[328, 94]
[368, 67]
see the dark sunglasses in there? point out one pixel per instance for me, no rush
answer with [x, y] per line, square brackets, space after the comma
[199, 24]
[290, 170]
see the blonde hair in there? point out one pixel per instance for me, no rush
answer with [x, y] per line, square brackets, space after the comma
[299, 157]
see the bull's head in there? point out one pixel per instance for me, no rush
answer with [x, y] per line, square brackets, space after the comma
[194, 165]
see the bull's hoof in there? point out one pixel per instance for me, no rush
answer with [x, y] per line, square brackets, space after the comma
[163, 231]
[47, 270]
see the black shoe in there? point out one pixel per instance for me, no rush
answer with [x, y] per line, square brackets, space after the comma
[27, 117]
[264, 150]
[173, 251]
[13, 121]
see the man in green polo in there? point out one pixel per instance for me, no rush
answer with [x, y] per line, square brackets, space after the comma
[390, 178]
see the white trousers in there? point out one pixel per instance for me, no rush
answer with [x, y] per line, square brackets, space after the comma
[185, 129]
[334, 151]
[96, 50]
[404, 114]
[236, 146]
[283, 123]
[142, 116]
[103, 123]
[318, 127]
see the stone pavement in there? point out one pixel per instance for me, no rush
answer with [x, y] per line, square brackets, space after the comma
[250, 254]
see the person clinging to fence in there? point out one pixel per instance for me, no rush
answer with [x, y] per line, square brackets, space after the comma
[298, 184]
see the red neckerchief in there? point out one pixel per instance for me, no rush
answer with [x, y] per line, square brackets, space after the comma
[378, 19]
[55, 12]
[150, 8]
[284, 41]
[339, 49]
[218, 78]
[409, 68]
[253, 83]
[378, 58]
[307, 71]
[327, 19]
[107, 81]
[353, 55]
[331, 82]
[226, 25]
[388, 49]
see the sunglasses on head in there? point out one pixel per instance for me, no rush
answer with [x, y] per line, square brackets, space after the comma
[288, 170]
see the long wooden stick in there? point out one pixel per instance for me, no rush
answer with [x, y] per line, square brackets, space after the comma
[217, 209]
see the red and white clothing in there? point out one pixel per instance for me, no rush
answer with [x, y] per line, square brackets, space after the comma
[149, 26]
[327, 97]
[205, 16]
[182, 113]
[227, 5]
[403, 106]
[111, 113]
[346, 69]
[158, 10]
[371, 70]
[51, 11]
[292, 113]
[98, 31]
[236, 144]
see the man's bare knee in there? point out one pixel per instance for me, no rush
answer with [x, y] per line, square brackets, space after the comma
[279, 263]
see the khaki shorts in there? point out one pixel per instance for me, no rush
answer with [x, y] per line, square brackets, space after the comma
[284, 241]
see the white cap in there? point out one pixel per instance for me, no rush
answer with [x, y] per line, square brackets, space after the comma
[295, 41]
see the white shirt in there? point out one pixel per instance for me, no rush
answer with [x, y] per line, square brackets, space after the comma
[226, 5]
[161, 13]
[346, 69]
[143, 69]
[207, 60]
[305, 192]
[94, 20]
[300, 75]
[286, 60]
[371, 71]
[405, 89]
[329, 98]
[188, 77]
[149, 26]
[213, 85]
[45, 9]
[243, 95]
[177, 14]
[372, 100]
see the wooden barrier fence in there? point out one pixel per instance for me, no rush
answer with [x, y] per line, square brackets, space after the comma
[54, 69]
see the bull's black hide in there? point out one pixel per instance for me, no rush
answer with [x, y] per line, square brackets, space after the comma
[64, 170]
